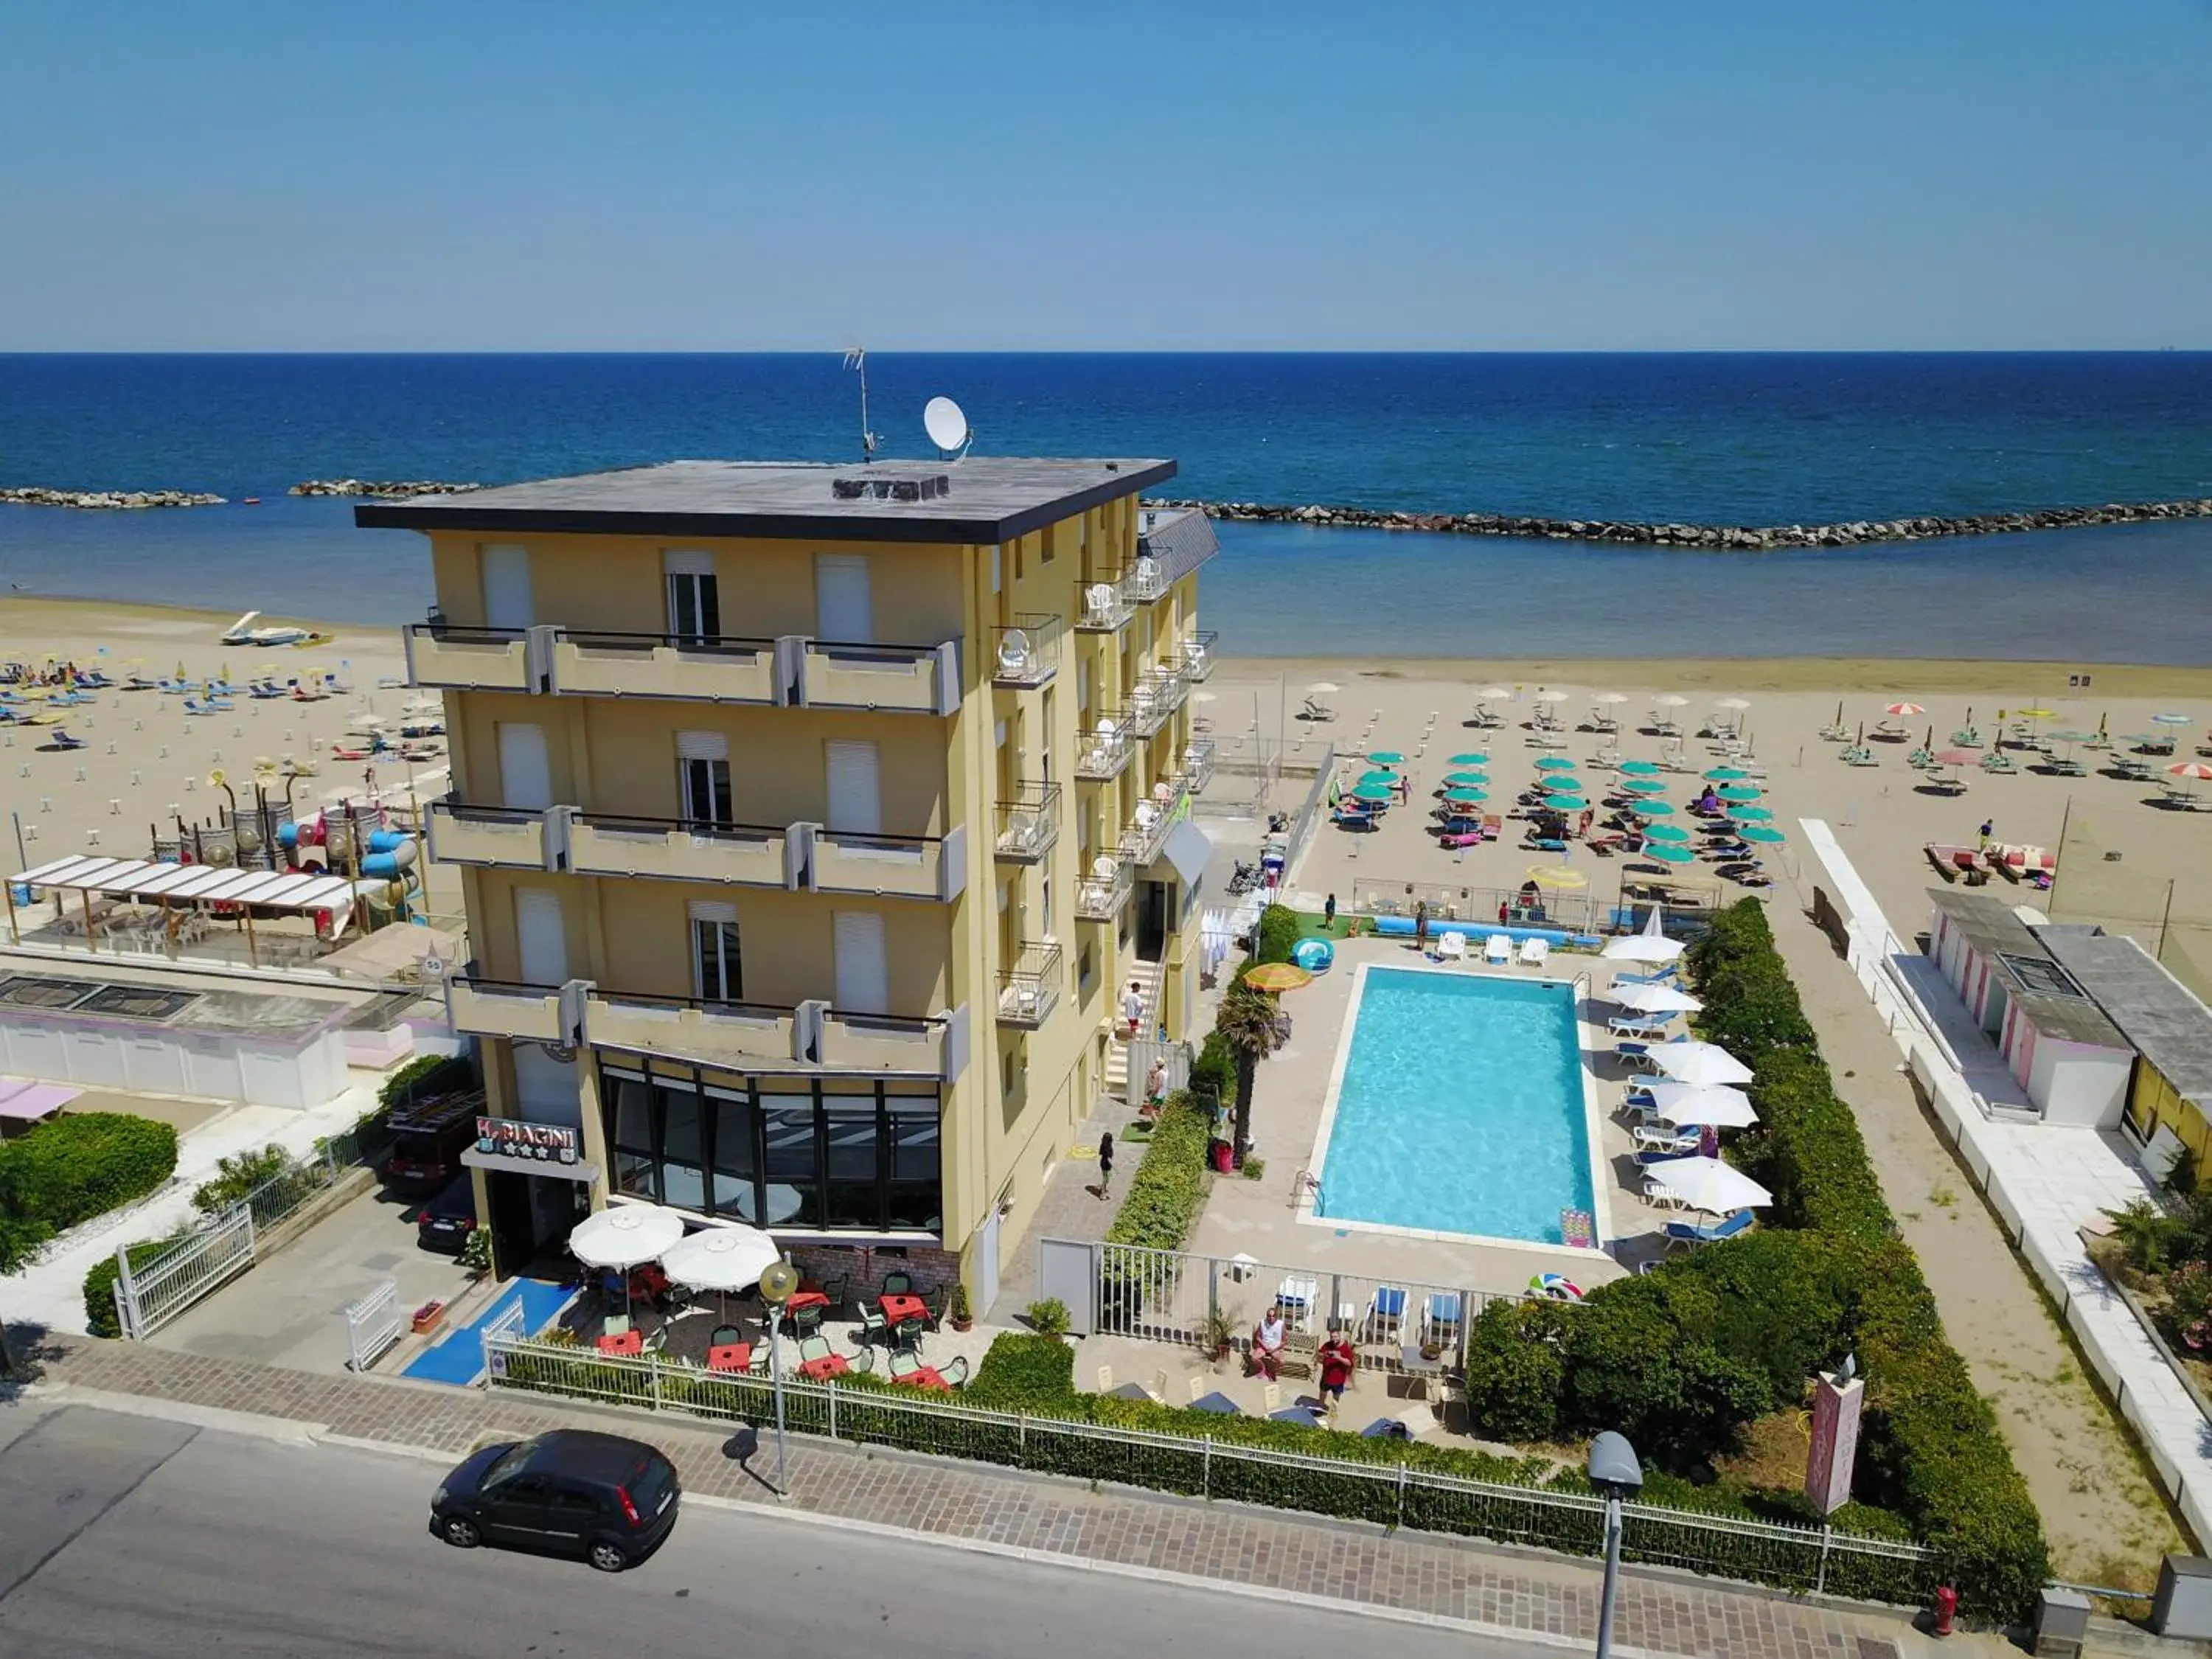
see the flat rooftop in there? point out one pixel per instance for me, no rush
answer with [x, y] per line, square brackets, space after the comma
[980, 499]
[2158, 1016]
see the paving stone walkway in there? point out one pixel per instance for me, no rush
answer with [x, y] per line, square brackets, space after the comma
[1069, 1207]
[1414, 1574]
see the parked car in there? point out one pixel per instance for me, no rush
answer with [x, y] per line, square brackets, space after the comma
[446, 1221]
[572, 1491]
[427, 1140]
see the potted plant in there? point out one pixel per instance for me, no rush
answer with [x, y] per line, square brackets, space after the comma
[1048, 1317]
[476, 1252]
[429, 1317]
[1217, 1334]
[957, 1310]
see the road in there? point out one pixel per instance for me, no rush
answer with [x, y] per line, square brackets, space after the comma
[126, 1535]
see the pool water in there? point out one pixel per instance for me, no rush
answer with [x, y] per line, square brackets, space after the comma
[1460, 1108]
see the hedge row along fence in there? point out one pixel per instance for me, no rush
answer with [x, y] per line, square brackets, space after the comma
[1023, 1411]
[1929, 1446]
[80, 1165]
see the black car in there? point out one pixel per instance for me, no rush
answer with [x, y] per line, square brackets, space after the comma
[599, 1496]
[446, 1221]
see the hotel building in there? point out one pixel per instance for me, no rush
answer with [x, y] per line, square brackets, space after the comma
[812, 822]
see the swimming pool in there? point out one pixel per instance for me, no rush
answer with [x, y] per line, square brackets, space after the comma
[1458, 1107]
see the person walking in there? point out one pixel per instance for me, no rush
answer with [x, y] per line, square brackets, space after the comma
[1989, 829]
[1133, 1008]
[1328, 914]
[1105, 1163]
[1421, 926]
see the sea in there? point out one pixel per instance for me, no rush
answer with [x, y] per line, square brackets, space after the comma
[1751, 438]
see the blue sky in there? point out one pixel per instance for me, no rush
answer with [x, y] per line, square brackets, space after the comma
[1592, 174]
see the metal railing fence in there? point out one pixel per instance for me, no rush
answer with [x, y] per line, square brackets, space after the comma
[1376, 1486]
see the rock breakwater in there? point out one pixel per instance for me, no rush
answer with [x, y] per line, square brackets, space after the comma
[1750, 538]
[109, 499]
[396, 488]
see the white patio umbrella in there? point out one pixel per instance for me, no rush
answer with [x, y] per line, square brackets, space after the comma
[624, 1234]
[1687, 1104]
[1708, 1184]
[1648, 944]
[720, 1259]
[1699, 1062]
[1671, 700]
[1654, 998]
[1735, 704]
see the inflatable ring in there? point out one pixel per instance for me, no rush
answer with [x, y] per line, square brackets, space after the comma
[1315, 956]
[1558, 1286]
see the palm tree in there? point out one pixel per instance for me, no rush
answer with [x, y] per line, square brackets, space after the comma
[1246, 1021]
[2145, 1232]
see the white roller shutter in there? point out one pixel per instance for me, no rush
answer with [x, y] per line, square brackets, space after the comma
[845, 612]
[713, 910]
[541, 938]
[855, 790]
[701, 746]
[676, 561]
[863, 974]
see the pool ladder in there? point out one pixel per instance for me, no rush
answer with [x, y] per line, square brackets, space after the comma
[1305, 1190]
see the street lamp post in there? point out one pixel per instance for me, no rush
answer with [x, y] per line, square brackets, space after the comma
[776, 1286]
[1614, 1472]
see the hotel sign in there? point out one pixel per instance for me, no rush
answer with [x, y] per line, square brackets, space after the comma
[1835, 1447]
[514, 1137]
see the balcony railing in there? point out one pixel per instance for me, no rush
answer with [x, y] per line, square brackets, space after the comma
[1101, 754]
[685, 849]
[1194, 656]
[1027, 826]
[1197, 764]
[1158, 692]
[918, 679]
[499, 837]
[1149, 580]
[736, 1035]
[519, 1011]
[1029, 990]
[1107, 607]
[693, 667]
[889, 866]
[1148, 828]
[936, 1047]
[1104, 889]
[440, 654]
[1027, 654]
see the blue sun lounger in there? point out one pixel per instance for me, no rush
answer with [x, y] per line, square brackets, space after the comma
[1686, 1233]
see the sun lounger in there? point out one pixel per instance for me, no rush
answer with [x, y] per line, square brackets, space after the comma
[1456, 839]
[1667, 1143]
[1543, 844]
[1637, 1026]
[1310, 710]
[1499, 950]
[1493, 825]
[1664, 976]
[1966, 737]
[1687, 1234]
[1451, 947]
[61, 739]
[1533, 950]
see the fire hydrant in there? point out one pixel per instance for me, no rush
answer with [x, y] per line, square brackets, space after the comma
[1947, 1608]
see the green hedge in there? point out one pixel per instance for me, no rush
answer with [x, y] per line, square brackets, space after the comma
[1170, 1186]
[78, 1166]
[1929, 1444]
[1278, 932]
[100, 1285]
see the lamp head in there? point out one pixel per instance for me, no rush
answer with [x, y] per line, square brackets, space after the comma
[1613, 1470]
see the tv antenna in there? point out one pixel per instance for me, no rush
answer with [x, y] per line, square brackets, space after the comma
[856, 358]
[947, 426]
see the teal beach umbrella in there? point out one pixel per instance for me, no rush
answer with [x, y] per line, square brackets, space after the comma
[1738, 792]
[1751, 815]
[1555, 764]
[1386, 757]
[1766, 834]
[1373, 791]
[1385, 779]
[1640, 768]
[1667, 832]
[1564, 803]
[1652, 809]
[1666, 853]
[1470, 760]
[1466, 780]
[1726, 775]
[1466, 796]
[1643, 786]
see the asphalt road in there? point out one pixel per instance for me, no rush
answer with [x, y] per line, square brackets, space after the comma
[128, 1536]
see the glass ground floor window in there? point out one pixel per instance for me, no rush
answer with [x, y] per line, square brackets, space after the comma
[825, 1155]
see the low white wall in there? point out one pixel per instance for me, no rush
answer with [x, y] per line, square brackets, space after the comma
[162, 1060]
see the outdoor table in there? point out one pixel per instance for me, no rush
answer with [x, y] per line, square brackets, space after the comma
[899, 1308]
[1310, 1416]
[1220, 1404]
[1418, 1367]
[627, 1342]
[729, 1356]
[1132, 1391]
[803, 1299]
[927, 1377]
[817, 1371]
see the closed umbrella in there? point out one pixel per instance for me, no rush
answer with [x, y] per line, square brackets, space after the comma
[1640, 768]
[1666, 832]
[1668, 852]
[1685, 1104]
[1654, 998]
[1699, 1062]
[1708, 1184]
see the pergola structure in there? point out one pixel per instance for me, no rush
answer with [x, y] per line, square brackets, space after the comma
[173, 885]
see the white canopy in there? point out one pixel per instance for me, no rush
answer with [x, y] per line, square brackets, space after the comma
[1706, 1183]
[1654, 998]
[1648, 945]
[720, 1258]
[1691, 1105]
[1698, 1062]
[625, 1235]
[195, 883]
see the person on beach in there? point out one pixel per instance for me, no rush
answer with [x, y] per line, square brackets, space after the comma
[1989, 829]
[1328, 914]
[1267, 1338]
[1156, 1086]
[1105, 1163]
[1589, 817]
[1338, 1362]
[1421, 926]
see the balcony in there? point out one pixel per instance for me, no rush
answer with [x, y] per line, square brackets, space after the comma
[680, 850]
[1158, 692]
[1104, 754]
[740, 1036]
[441, 656]
[889, 866]
[498, 1008]
[1103, 893]
[915, 679]
[936, 1047]
[1107, 607]
[1194, 656]
[1148, 580]
[1027, 654]
[498, 837]
[1198, 765]
[1029, 990]
[693, 668]
[1148, 828]
[1027, 826]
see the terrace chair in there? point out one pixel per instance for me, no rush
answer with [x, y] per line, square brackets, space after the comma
[1295, 1296]
[898, 1285]
[1499, 950]
[1385, 1309]
[813, 1348]
[872, 1323]
[955, 1374]
[806, 1322]
[903, 1365]
[1535, 952]
[1688, 1235]
[1442, 1323]
[838, 1290]
[861, 1363]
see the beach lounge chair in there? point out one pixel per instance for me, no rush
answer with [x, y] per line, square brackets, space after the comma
[1457, 839]
[1921, 758]
[1310, 710]
[1659, 1196]
[1651, 1139]
[1684, 1146]
[1861, 755]
[61, 739]
[1451, 947]
[1662, 976]
[1686, 1235]
[1637, 1027]
[1534, 843]
[1499, 950]
[1484, 718]
[1534, 951]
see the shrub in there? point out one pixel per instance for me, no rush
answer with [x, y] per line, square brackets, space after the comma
[1022, 1373]
[1170, 1186]
[1214, 1072]
[1048, 1317]
[2190, 1290]
[237, 1176]
[1516, 1369]
[74, 1168]
[1278, 934]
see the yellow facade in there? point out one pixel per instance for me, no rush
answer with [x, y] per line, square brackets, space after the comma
[2154, 1102]
[630, 892]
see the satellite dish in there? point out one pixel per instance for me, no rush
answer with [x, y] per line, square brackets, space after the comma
[946, 426]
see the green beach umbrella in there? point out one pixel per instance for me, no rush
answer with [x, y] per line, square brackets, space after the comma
[1752, 814]
[1555, 764]
[1466, 780]
[1470, 760]
[1640, 768]
[1667, 853]
[1564, 803]
[1643, 786]
[1764, 832]
[1373, 791]
[1466, 795]
[1385, 757]
[1669, 832]
[1738, 792]
[1726, 775]
[1652, 809]
[1383, 777]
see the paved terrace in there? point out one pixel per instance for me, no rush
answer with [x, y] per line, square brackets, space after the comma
[1407, 1576]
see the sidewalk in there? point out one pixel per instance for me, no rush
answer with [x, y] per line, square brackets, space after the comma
[1409, 1575]
[1069, 1209]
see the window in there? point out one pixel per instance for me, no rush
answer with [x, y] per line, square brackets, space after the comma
[694, 610]
[737, 1156]
[718, 974]
[912, 1144]
[703, 764]
[683, 1151]
[637, 1163]
[571, 1502]
[853, 1162]
[1045, 907]
[794, 1190]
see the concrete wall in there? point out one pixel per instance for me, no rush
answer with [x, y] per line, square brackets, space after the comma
[2080, 1083]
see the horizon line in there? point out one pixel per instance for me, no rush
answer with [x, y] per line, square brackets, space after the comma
[1118, 351]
